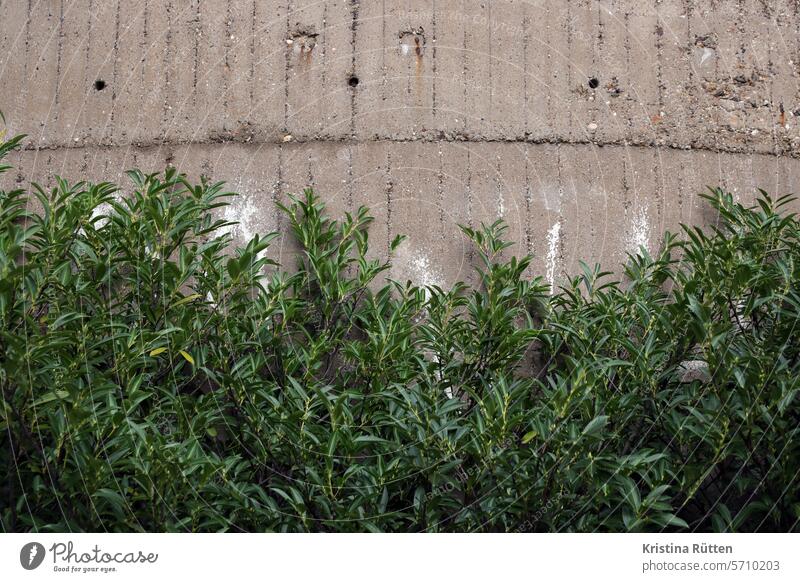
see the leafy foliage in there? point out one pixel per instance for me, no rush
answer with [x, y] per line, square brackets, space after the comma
[155, 378]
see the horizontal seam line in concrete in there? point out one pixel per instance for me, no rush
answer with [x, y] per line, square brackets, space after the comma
[421, 139]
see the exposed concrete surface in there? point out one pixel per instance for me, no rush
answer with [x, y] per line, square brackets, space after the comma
[589, 126]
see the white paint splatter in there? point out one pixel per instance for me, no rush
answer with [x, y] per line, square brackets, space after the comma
[101, 212]
[553, 239]
[422, 271]
[640, 232]
[248, 216]
[416, 266]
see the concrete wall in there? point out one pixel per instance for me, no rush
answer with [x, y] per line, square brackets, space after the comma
[588, 125]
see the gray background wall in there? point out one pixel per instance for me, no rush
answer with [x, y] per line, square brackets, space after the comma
[463, 111]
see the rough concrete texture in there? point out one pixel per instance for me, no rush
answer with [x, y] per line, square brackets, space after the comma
[589, 126]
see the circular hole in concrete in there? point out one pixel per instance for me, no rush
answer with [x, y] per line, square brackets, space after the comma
[594, 83]
[99, 85]
[353, 81]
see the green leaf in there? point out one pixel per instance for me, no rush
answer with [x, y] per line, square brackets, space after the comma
[186, 299]
[669, 520]
[114, 499]
[787, 399]
[595, 425]
[397, 241]
[52, 396]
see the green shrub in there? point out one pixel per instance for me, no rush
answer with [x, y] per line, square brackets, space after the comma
[155, 378]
